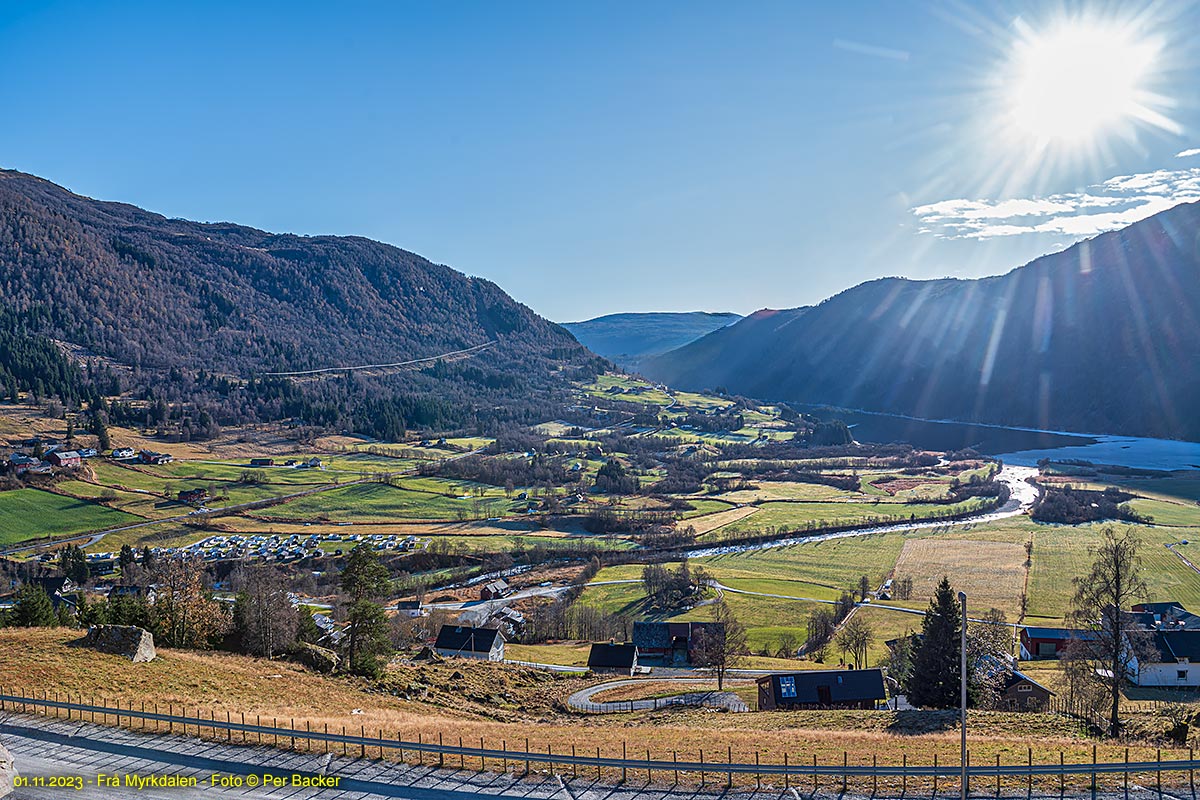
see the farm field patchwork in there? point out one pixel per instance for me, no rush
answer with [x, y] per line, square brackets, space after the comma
[33, 513]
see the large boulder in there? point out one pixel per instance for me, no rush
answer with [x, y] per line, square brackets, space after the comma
[319, 658]
[8, 772]
[136, 644]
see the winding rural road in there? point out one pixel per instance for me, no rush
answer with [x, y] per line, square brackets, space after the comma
[582, 700]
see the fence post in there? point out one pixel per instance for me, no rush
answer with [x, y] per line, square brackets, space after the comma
[597, 763]
[786, 776]
[421, 752]
[362, 741]
[1029, 782]
[757, 774]
[649, 779]
[814, 774]
[344, 743]
[903, 773]
[675, 761]
[1062, 776]
[702, 767]
[442, 753]
[292, 725]
[1158, 772]
[1126, 771]
[997, 776]
[228, 726]
[1093, 769]
[845, 763]
[1191, 771]
[623, 770]
[935, 775]
[483, 758]
[526, 755]
[462, 757]
[729, 770]
[326, 737]
[874, 774]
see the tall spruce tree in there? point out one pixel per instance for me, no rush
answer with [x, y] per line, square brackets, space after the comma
[934, 681]
[33, 608]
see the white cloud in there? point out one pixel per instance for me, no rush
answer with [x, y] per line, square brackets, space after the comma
[1115, 203]
[1193, 151]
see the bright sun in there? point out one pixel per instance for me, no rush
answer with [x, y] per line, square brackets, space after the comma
[1072, 83]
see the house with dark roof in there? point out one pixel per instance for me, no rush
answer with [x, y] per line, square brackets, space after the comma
[1023, 693]
[671, 643]
[462, 641]
[1175, 660]
[1169, 616]
[613, 657]
[494, 590]
[824, 688]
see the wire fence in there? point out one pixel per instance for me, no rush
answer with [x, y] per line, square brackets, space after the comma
[717, 769]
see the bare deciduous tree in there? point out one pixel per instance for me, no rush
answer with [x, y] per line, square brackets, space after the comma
[1100, 609]
[722, 647]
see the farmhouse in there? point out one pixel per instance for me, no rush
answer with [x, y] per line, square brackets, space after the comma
[65, 458]
[1175, 660]
[493, 590]
[409, 608]
[123, 452]
[670, 643]
[826, 688]
[262, 462]
[193, 495]
[1170, 616]
[458, 640]
[612, 657]
[151, 457]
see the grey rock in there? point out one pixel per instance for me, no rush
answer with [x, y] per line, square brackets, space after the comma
[8, 772]
[136, 644]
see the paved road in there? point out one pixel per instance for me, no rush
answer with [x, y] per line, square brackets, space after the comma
[582, 700]
[46, 748]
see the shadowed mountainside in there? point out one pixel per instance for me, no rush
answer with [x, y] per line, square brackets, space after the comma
[1102, 337]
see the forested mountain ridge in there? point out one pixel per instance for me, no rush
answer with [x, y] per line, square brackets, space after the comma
[629, 338]
[180, 302]
[1103, 337]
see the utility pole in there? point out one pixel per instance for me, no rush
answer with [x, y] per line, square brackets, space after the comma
[962, 679]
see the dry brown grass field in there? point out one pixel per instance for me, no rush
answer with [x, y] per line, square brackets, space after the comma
[503, 704]
[991, 573]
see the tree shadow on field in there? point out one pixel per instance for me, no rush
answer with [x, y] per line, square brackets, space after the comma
[916, 723]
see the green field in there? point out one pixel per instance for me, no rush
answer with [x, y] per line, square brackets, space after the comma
[31, 513]
[795, 515]
[378, 501]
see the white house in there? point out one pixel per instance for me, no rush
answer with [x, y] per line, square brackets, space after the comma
[486, 644]
[1176, 661]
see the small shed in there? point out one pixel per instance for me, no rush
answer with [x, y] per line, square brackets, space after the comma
[1023, 693]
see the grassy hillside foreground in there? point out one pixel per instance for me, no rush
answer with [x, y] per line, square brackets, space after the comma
[507, 704]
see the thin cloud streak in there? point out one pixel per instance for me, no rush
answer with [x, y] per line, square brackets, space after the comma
[1194, 151]
[1115, 203]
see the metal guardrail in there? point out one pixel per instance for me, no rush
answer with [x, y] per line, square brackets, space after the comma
[25, 704]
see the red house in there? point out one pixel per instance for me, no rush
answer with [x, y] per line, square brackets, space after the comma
[66, 458]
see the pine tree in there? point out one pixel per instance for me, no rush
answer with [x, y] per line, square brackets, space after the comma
[934, 682]
[73, 564]
[33, 608]
[126, 559]
[364, 579]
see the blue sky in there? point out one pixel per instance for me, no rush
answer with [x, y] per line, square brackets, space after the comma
[599, 157]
